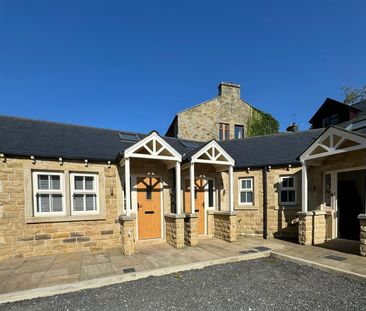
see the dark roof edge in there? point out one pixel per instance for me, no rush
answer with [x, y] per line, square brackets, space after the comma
[22, 155]
[266, 165]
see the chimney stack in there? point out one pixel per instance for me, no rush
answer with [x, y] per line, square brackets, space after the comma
[229, 89]
[292, 128]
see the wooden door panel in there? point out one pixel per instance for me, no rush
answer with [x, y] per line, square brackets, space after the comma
[199, 202]
[149, 207]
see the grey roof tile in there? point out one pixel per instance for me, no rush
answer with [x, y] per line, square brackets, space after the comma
[277, 149]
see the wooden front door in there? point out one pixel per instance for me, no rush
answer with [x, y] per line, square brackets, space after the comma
[199, 202]
[149, 207]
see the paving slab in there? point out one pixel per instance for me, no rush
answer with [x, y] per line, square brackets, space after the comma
[39, 272]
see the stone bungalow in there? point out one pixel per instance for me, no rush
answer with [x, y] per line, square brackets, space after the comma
[66, 188]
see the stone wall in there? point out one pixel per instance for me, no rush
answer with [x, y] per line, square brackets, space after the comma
[305, 228]
[320, 227]
[127, 234]
[174, 230]
[312, 227]
[22, 235]
[282, 219]
[191, 230]
[362, 219]
[225, 226]
[201, 122]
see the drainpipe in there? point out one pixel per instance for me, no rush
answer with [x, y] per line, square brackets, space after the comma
[265, 203]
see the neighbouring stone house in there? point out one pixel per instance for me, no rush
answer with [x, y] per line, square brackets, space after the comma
[66, 188]
[223, 117]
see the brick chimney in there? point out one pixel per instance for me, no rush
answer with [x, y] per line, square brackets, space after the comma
[229, 89]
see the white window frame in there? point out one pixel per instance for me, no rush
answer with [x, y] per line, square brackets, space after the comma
[37, 191]
[282, 188]
[240, 190]
[84, 192]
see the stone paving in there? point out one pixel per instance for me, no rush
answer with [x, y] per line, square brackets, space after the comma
[22, 274]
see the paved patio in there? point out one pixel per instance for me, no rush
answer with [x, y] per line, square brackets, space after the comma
[22, 274]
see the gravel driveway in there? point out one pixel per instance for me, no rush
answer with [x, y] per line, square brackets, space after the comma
[262, 284]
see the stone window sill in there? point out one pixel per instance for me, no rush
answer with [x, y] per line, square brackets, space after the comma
[37, 220]
[247, 208]
[292, 207]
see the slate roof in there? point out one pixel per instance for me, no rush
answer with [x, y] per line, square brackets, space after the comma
[361, 106]
[277, 149]
[26, 137]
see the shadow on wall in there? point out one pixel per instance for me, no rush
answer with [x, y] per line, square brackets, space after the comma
[286, 226]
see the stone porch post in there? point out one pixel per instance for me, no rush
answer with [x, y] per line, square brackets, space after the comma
[127, 225]
[362, 218]
[175, 226]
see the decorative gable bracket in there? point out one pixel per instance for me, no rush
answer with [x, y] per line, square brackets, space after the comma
[153, 147]
[334, 141]
[212, 153]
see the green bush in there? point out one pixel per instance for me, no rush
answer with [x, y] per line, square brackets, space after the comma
[261, 123]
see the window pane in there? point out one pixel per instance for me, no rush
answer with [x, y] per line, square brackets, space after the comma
[283, 196]
[291, 182]
[55, 182]
[149, 190]
[239, 131]
[78, 202]
[291, 196]
[90, 202]
[56, 200]
[221, 132]
[89, 183]
[79, 182]
[43, 182]
[210, 193]
[43, 203]
[227, 130]
[243, 197]
[285, 182]
[249, 197]
[328, 185]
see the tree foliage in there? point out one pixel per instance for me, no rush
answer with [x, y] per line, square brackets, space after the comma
[261, 123]
[352, 96]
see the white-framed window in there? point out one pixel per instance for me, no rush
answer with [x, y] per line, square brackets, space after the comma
[246, 196]
[287, 190]
[48, 194]
[84, 193]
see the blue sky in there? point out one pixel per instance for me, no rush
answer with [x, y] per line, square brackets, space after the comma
[133, 64]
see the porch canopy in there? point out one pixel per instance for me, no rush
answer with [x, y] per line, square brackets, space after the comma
[333, 141]
[212, 154]
[152, 147]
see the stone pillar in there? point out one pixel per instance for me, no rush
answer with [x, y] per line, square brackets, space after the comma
[191, 229]
[305, 228]
[210, 223]
[225, 226]
[319, 227]
[362, 218]
[127, 224]
[175, 230]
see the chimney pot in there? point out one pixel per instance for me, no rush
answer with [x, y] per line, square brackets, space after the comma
[292, 128]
